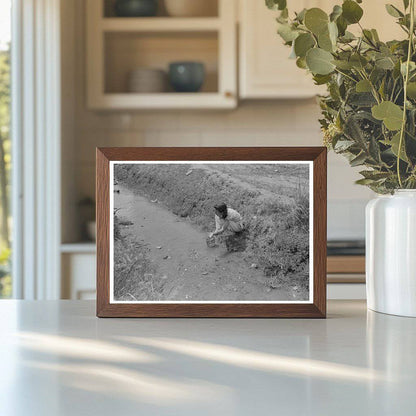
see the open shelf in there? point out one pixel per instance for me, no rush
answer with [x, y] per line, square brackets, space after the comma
[160, 24]
[116, 46]
[211, 9]
[127, 51]
[80, 247]
[130, 101]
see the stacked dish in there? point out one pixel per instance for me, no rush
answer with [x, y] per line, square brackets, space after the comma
[147, 80]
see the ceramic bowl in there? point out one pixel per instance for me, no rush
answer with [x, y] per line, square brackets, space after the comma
[186, 76]
[135, 8]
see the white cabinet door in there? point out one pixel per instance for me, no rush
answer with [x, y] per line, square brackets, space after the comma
[265, 68]
[78, 276]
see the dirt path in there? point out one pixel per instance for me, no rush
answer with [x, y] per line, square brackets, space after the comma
[192, 270]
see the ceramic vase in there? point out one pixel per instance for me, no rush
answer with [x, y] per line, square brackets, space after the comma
[391, 253]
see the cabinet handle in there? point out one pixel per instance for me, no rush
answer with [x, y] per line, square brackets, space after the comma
[228, 94]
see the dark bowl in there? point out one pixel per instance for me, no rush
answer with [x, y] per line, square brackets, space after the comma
[136, 8]
[186, 76]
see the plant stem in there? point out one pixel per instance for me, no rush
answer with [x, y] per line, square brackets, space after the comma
[373, 90]
[406, 80]
[345, 75]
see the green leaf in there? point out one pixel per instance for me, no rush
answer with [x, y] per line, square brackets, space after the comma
[374, 175]
[382, 88]
[342, 25]
[284, 14]
[412, 67]
[301, 15]
[321, 79]
[394, 144]
[301, 63]
[393, 11]
[406, 4]
[316, 20]
[368, 36]
[276, 4]
[348, 37]
[358, 61]
[375, 35]
[319, 61]
[411, 90]
[327, 40]
[351, 11]
[303, 43]
[333, 32]
[324, 42]
[396, 71]
[343, 145]
[336, 12]
[374, 150]
[361, 99]
[286, 32]
[363, 86]
[283, 17]
[353, 130]
[376, 76]
[385, 63]
[390, 113]
[364, 181]
[358, 160]
[343, 65]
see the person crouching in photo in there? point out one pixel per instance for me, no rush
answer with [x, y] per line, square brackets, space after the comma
[226, 219]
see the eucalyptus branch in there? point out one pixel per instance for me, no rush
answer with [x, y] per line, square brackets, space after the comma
[373, 89]
[392, 90]
[346, 75]
[349, 63]
[398, 94]
[405, 81]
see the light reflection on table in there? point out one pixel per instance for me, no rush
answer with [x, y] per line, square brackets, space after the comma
[56, 358]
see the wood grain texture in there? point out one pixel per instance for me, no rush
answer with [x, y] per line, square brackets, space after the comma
[317, 309]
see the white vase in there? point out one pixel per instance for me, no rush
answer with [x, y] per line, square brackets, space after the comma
[391, 253]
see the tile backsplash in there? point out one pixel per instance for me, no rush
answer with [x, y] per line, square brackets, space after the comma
[287, 123]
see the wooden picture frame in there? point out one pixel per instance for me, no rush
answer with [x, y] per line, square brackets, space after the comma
[314, 308]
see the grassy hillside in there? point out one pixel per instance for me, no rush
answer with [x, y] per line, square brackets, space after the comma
[271, 201]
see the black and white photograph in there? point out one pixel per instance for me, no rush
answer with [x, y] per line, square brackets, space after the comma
[211, 232]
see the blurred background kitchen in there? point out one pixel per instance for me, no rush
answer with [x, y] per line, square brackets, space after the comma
[146, 73]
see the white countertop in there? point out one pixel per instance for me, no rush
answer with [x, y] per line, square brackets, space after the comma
[57, 359]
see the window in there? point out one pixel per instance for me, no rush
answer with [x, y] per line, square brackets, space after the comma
[5, 145]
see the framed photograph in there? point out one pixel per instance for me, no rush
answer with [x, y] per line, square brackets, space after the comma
[211, 232]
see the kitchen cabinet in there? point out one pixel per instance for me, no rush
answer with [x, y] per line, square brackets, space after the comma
[78, 264]
[265, 70]
[116, 46]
